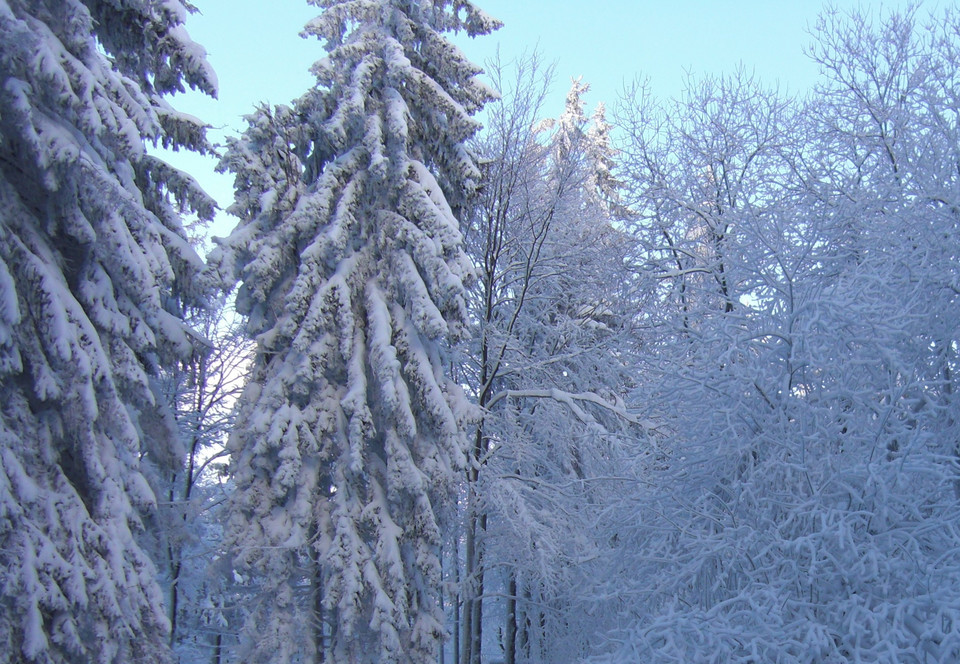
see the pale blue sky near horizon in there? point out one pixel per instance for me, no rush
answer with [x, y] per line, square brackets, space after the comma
[255, 48]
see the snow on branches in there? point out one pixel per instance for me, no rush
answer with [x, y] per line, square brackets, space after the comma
[93, 265]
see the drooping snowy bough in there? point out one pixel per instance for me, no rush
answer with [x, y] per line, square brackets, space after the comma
[350, 437]
[93, 263]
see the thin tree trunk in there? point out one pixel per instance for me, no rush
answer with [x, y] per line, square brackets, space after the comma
[477, 627]
[319, 617]
[174, 561]
[510, 632]
[458, 599]
[176, 556]
[523, 638]
[476, 523]
[473, 586]
[442, 657]
[468, 590]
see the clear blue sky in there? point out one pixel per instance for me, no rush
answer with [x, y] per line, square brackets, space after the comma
[255, 48]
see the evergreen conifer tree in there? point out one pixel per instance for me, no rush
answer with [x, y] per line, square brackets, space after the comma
[350, 437]
[94, 263]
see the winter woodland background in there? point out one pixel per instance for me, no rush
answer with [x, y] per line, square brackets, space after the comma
[474, 379]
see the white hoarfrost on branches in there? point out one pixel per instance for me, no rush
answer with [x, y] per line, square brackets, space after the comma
[549, 367]
[350, 437]
[94, 264]
[202, 600]
[805, 509]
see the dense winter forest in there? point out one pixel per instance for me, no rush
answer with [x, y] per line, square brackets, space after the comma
[467, 384]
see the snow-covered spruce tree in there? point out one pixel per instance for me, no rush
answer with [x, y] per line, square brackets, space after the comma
[350, 438]
[93, 266]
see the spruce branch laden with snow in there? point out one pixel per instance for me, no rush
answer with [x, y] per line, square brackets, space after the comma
[94, 265]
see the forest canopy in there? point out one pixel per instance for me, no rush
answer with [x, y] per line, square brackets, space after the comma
[474, 379]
